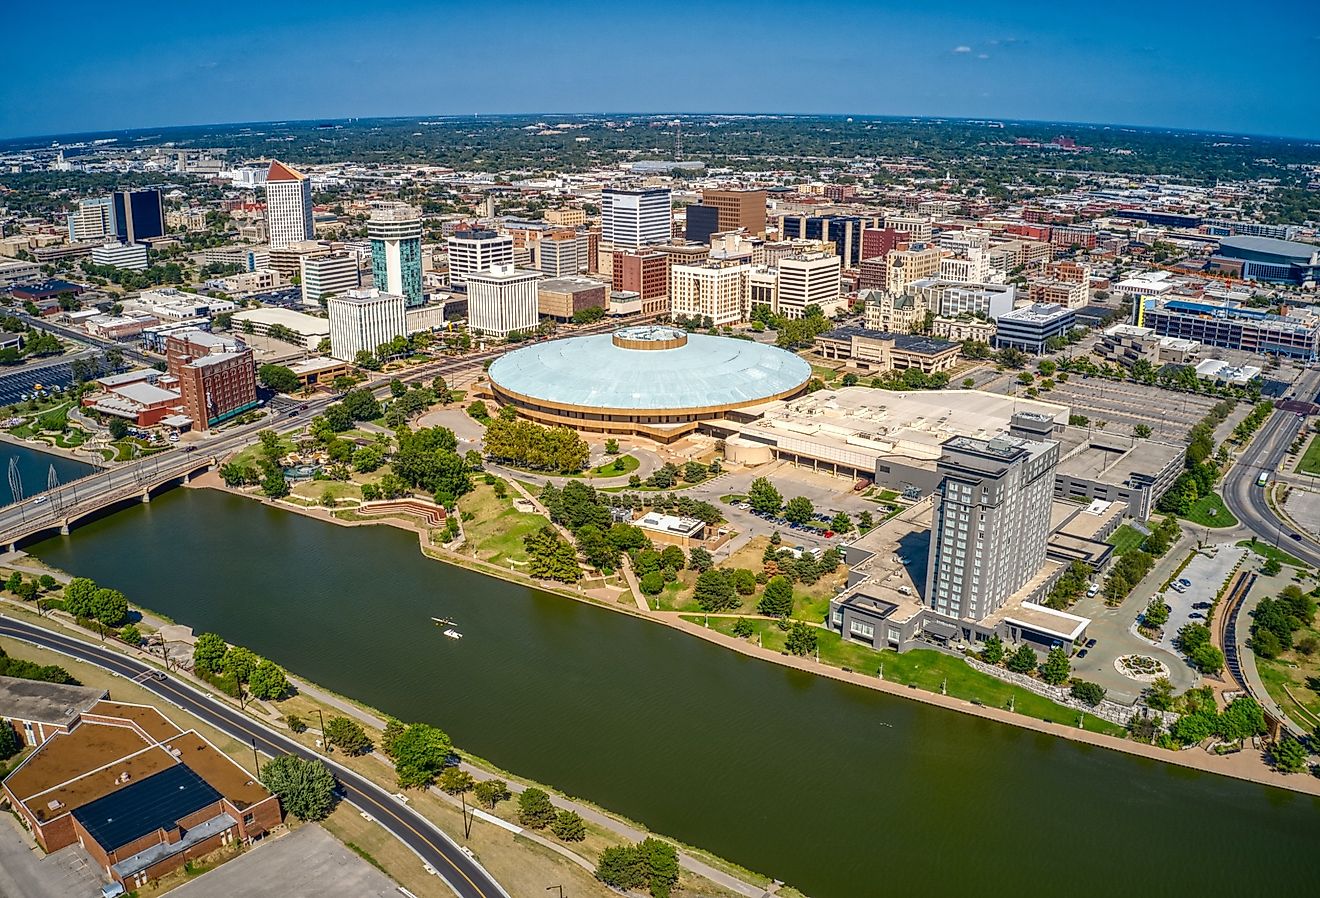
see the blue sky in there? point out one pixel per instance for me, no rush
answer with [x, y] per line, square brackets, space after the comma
[1211, 65]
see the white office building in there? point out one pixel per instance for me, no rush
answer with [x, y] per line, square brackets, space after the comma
[361, 320]
[809, 279]
[121, 255]
[502, 300]
[713, 290]
[94, 219]
[633, 218]
[481, 250]
[288, 206]
[328, 275]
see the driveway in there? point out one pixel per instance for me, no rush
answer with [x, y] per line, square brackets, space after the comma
[307, 863]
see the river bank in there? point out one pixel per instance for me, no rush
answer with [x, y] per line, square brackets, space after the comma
[1248, 765]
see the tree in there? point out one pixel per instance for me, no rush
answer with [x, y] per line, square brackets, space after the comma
[278, 378]
[491, 792]
[652, 583]
[1288, 755]
[131, 635]
[1156, 614]
[347, 735]
[777, 599]
[268, 681]
[455, 780]
[993, 652]
[551, 557]
[1055, 669]
[599, 552]
[239, 662]
[714, 591]
[700, 560]
[273, 485]
[478, 410]
[569, 827]
[659, 863]
[742, 628]
[1159, 695]
[534, 809]
[1271, 567]
[9, 745]
[118, 428]
[420, 754]
[1141, 431]
[209, 650]
[744, 582]
[841, 523]
[306, 787]
[1023, 660]
[620, 867]
[763, 497]
[1090, 693]
[1242, 719]
[801, 639]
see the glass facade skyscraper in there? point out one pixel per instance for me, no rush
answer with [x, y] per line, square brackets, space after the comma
[396, 251]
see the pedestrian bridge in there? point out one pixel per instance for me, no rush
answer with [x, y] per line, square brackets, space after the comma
[60, 509]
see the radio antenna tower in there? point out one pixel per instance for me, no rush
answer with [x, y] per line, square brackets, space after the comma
[678, 140]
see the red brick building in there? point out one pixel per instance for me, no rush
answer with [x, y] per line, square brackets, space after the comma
[141, 796]
[216, 376]
[646, 274]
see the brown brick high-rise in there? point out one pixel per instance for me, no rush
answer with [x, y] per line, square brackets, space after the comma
[217, 376]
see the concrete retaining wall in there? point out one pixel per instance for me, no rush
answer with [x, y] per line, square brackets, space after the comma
[1114, 712]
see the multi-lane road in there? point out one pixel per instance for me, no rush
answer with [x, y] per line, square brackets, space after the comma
[462, 873]
[1265, 454]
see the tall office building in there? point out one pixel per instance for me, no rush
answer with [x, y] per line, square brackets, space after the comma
[396, 251]
[94, 219]
[701, 221]
[139, 215]
[327, 275]
[809, 279]
[738, 209]
[502, 300]
[477, 250]
[990, 522]
[288, 206]
[560, 254]
[712, 290]
[647, 275]
[633, 218]
[361, 320]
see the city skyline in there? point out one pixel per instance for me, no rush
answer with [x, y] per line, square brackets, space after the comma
[1117, 66]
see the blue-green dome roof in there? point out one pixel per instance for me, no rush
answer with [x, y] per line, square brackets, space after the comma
[596, 372]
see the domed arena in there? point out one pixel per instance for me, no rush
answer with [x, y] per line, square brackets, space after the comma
[654, 381]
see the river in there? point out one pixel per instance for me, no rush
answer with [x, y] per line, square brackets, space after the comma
[839, 790]
[33, 470]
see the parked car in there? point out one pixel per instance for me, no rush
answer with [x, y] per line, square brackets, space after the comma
[1092, 590]
[1184, 582]
[1090, 643]
[1082, 653]
[1201, 605]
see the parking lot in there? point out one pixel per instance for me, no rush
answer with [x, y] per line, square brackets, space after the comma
[1206, 574]
[1122, 406]
[26, 872]
[15, 384]
[307, 863]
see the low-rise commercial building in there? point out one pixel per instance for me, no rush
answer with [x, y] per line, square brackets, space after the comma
[309, 329]
[140, 795]
[872, 350]
[562, 297]
[1030, 327]
[1228, 325]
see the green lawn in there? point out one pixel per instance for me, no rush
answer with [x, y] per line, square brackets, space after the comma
[622, 464]
[1292, 669]
[1266, 550]
[1310, 463]
[497, 528]
[1125, 539]
[1210, 511]
[924, 669]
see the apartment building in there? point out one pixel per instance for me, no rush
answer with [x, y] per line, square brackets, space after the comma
[216, 376]
[713, 290]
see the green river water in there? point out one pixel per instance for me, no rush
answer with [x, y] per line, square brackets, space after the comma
[838, 790]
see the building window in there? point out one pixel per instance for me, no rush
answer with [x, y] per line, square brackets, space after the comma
[894, 634]
[866, 631]
[249, 819]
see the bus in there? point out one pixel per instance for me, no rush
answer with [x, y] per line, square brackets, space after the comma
[1263, 478]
